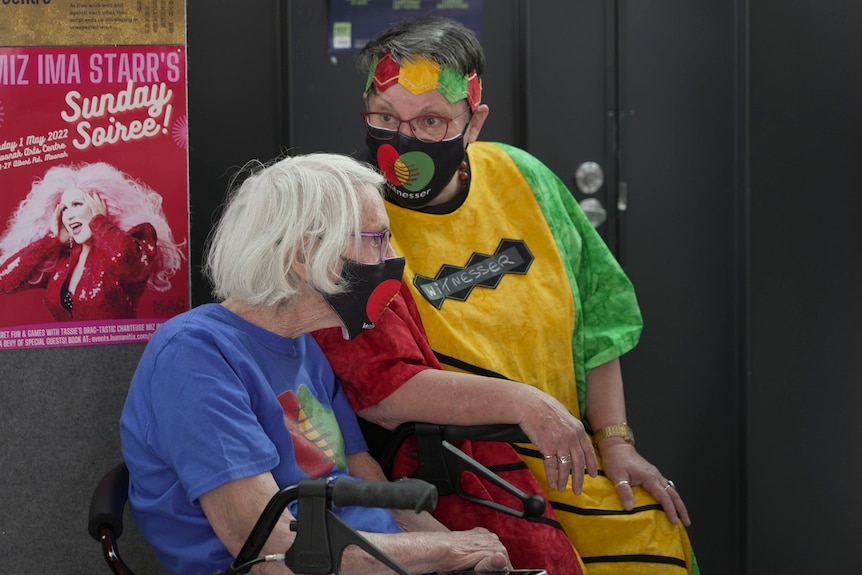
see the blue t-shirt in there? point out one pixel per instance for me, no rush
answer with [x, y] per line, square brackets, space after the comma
[215, 399]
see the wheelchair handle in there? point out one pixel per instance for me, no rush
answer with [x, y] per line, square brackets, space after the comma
[404, 494]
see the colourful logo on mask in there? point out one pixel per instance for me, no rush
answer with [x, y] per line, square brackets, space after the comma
[381, 298]
[411, 170]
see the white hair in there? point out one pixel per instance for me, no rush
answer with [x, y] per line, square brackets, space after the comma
[301, 209]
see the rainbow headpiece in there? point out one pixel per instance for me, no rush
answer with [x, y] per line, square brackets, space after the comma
[425, 75]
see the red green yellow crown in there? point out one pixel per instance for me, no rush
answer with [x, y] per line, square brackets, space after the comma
[424, 75]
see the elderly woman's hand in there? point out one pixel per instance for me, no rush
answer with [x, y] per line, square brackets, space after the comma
[561, 438]
[432, 551]
[481, 549]
[626, 468]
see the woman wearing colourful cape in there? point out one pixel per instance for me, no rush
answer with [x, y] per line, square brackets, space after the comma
[522, 303]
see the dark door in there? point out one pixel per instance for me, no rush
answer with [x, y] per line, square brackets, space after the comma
[646, 90]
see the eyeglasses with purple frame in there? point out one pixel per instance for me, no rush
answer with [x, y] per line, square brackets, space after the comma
[380, 241]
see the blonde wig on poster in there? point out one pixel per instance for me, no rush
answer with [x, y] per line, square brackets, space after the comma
[128, 201]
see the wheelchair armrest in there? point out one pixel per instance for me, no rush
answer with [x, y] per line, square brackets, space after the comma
[504, 432]
[441, 463]
[109, 501]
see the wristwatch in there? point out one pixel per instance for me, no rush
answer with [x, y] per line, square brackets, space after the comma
[620, 430]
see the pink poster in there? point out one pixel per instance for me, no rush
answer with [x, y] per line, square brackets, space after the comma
[94, 193]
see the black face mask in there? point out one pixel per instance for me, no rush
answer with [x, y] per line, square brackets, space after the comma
[371, 288]
[416, 171]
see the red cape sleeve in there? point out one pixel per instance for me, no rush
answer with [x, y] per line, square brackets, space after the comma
[377, 362]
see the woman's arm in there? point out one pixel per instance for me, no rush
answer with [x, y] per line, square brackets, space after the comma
[127, 256]
[623, 465]
[363, 466]
[453, 398]
[27, 268]
[605, 398]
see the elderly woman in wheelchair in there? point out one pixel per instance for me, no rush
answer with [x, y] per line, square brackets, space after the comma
[233, 402]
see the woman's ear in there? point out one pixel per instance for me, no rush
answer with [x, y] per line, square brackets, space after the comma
[299, 265]
[480, 114]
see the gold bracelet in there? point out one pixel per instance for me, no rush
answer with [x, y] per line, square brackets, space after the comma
[620, 430]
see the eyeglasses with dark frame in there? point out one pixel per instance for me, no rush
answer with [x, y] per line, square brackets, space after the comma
[380, 240]
[429, 128]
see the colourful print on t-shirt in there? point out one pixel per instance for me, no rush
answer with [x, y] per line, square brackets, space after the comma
[317, 441]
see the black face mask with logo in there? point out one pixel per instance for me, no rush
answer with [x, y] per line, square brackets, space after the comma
[416, 171]
[370, 290]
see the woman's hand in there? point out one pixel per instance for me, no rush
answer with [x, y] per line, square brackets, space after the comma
[96, 204]
[561, 437]
[58, 229]
[480, 549]
[626, 468]
[432, 551]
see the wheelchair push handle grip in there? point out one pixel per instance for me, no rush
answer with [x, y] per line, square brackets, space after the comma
[404, 494]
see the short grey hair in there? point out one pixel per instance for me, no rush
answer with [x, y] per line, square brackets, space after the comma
[443, 40]
[305, 208]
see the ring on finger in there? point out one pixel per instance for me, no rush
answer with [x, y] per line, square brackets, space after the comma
[621, 482]
[669, 485]
[565, 458]
[548, 456]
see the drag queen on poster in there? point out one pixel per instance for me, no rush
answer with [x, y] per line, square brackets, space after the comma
[93, 238]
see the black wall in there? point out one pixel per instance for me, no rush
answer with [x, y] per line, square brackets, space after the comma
[236, 104]
[805, 317]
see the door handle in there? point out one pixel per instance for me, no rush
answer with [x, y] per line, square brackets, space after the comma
[589, 177]
[595, 211]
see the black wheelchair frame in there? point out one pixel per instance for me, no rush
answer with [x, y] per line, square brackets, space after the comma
[321, 541]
